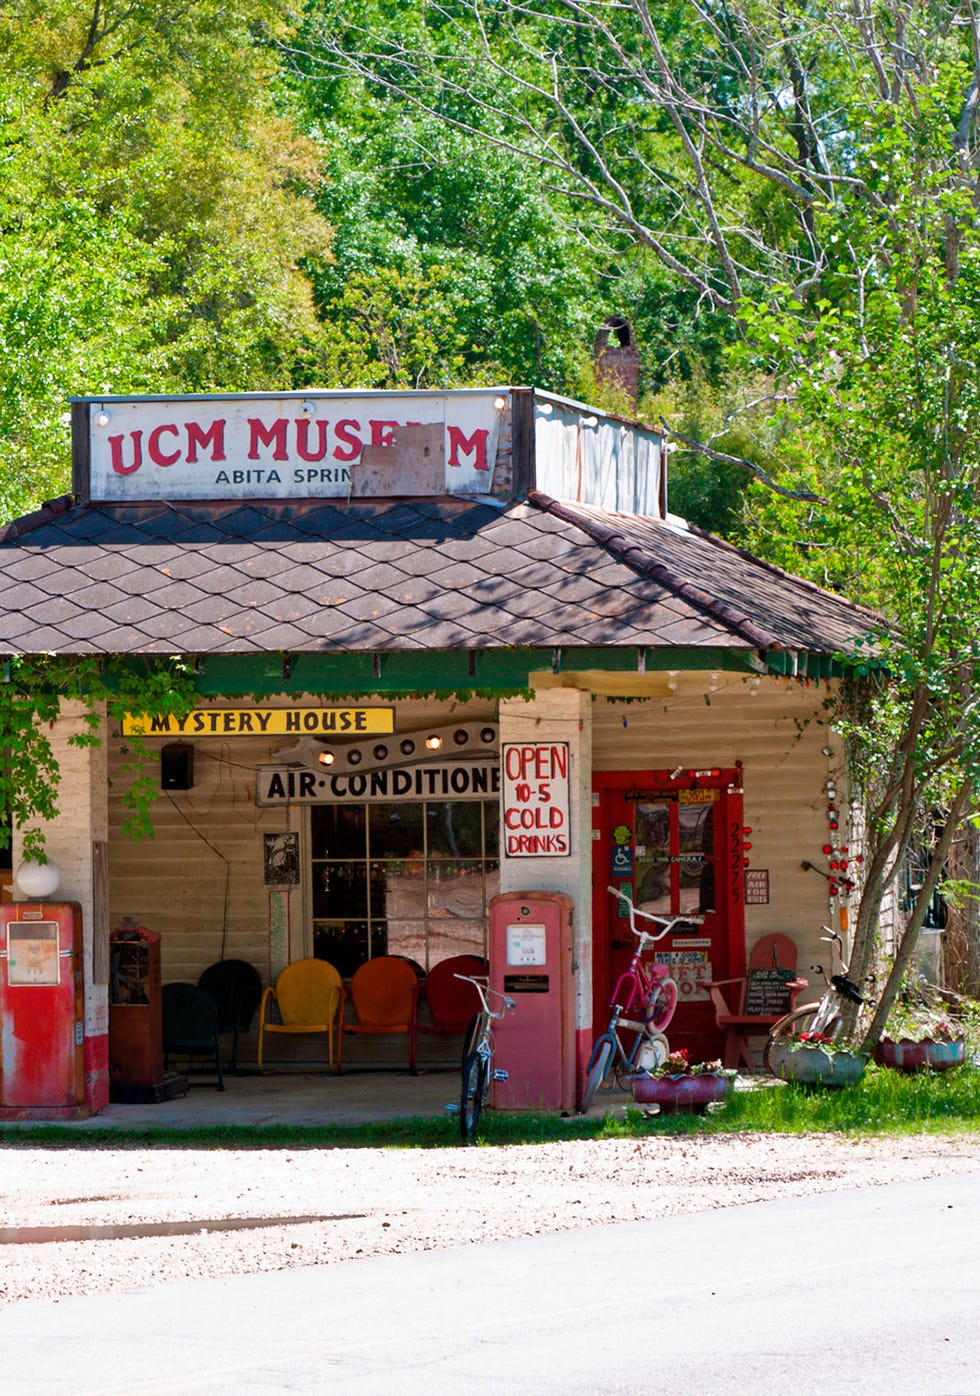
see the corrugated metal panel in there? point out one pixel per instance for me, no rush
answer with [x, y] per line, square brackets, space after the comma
[583, 456]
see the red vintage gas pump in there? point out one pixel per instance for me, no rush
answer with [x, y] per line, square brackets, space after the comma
[531, 960]
[42, 1012]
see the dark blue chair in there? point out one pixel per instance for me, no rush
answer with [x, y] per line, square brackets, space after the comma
[190, 1025]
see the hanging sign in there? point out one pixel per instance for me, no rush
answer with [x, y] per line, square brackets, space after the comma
[263, 722]
[535, 798]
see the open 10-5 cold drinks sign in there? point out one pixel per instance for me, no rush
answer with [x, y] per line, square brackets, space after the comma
[535, 800]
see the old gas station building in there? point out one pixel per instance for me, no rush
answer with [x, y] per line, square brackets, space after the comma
[446, 646]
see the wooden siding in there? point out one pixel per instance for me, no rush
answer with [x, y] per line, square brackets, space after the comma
[778, 735]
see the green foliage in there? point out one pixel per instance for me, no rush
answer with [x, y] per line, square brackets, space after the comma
[37, 689]
[153, 215]
[448, 265]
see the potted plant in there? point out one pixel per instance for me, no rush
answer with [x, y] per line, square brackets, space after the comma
[678, 1084]
[813, 1059]
[921, 1040]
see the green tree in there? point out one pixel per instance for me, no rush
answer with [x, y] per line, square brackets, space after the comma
[809, 171]
[155, 216]
[443, 247]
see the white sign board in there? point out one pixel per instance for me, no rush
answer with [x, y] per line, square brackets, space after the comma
[535, 800]
[526, 945]
[691, 969]
[296, 446]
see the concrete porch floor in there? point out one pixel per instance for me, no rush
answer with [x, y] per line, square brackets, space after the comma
[284, 1098]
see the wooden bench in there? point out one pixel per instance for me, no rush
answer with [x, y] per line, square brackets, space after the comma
[752, 1004]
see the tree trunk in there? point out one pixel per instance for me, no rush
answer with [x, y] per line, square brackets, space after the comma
[906, 948]
[961, 943]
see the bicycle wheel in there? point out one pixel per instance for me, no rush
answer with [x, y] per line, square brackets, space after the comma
[650, 1051]
[792, 1024]
[659, 1007]
[473, 1094]
[598, 1070]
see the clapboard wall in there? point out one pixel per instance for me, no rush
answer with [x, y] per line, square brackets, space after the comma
[777, 729]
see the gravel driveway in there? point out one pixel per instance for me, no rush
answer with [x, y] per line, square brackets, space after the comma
[137, 1218]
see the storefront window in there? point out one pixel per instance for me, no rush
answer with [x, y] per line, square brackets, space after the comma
[411, 879]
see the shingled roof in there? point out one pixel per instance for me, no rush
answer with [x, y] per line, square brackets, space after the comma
[392, 575]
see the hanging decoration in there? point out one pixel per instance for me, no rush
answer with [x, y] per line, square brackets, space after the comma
[841, 881]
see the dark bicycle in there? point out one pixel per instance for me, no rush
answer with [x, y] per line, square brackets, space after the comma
[478, 1050]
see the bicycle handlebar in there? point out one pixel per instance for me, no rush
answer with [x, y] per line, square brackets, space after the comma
[483, 988]
[668, 922]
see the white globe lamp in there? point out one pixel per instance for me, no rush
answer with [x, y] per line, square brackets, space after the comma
[38, 880]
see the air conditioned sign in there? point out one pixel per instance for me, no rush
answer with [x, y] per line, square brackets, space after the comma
[434, 780]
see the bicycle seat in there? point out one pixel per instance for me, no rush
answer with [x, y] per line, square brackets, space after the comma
[847, 988]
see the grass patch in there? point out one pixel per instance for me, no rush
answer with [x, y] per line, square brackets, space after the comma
[885, 1102]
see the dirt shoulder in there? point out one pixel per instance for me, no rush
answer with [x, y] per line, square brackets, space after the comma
[330, 1205]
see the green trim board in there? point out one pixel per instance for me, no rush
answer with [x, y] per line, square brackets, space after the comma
[442, 671]
[490, 671]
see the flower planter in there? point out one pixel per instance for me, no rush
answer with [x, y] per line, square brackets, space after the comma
[674, 1093]
[906, 1055]
[812, 1066]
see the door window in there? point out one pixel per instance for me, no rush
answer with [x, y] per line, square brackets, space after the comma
[675, 852]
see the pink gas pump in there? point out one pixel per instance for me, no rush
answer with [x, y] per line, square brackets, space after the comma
[531, 960]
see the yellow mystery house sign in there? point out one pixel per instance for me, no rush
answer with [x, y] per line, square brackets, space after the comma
[263, 722]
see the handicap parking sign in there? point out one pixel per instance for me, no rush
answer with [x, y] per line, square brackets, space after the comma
[622, 861]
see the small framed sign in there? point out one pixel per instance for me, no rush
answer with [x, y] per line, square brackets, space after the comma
[281, 860]
[757, 887]
[767, 991]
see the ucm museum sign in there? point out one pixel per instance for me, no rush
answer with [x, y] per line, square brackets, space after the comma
[292, 446]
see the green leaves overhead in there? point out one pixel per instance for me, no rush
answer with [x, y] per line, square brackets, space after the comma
[153, 215]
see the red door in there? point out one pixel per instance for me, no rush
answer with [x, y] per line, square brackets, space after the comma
[673, 841]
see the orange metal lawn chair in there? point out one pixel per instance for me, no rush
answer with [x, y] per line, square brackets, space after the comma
[383, 996]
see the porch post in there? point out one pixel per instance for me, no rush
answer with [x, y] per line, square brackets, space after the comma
[560, 715]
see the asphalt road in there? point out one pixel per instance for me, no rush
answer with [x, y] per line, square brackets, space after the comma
[871, 1291]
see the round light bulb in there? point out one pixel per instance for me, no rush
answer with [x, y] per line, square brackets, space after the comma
[38, 879]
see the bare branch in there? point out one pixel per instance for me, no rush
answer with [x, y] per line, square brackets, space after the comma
[807, 496]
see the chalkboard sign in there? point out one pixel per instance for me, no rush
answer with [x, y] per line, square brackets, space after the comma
[766, 993]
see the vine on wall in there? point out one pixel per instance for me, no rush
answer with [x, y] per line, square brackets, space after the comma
[32, 692]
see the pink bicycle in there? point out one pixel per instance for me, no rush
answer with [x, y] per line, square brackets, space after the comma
[645, 989]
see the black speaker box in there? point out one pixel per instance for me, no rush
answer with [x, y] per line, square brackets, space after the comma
[177, 767]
